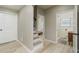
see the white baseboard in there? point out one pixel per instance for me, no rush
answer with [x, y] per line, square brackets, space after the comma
[27, 49]
[51, 41]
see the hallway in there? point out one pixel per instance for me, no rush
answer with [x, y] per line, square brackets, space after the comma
[32, 24]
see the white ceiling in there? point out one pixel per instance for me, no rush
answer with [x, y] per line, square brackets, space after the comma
[13, 7]
[45, 6]
[18, 7]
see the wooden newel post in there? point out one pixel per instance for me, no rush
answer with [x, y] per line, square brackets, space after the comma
[70, 38]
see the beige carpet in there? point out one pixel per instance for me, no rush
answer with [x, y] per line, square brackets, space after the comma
[12, 47]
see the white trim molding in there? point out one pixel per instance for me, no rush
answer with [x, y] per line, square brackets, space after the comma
[27, 49]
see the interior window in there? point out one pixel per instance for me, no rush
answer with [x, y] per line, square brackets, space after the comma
[65, 22]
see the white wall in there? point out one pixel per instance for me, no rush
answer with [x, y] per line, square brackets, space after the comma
[75, 29]
[25, 26]
[50, 21]
[9, 25]
[40, 11]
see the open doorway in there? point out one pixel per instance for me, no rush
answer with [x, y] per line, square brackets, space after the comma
[66, 28]
[64, 25]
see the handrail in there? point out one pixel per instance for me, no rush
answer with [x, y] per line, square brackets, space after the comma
[75, 33]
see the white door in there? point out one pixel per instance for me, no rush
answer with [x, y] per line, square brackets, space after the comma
[8, 27]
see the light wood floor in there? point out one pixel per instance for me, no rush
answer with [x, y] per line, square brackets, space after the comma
[15, 47]
[57, 48]
[12, 47]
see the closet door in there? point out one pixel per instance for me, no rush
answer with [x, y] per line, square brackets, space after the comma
[8, 27]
